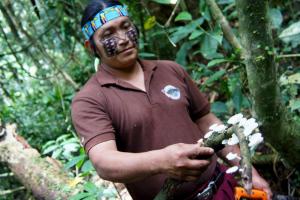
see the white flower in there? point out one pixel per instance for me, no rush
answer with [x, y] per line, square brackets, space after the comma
[233, 156]
[233, 140]
[218, 128]
[212, 127]
[249, 129]
[208, 134]
[242, 122]
[235, 119]
[225, 142]
[173, 1]
[255, 139]
[231, 170]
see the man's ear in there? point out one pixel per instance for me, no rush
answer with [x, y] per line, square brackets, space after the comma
[88, 46]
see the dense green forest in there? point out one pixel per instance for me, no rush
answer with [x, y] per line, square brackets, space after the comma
[242, 64]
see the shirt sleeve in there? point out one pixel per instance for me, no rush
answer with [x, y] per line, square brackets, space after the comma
[198, 103]
[91, 121]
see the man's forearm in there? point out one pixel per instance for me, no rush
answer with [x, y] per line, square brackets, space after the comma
[128, 167]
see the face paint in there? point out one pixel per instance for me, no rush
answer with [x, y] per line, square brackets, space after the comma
[133, 36]
[110, 45]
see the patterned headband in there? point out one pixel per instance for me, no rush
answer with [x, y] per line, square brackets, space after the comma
[103, 17]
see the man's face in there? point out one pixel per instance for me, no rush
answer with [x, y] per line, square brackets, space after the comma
[116, 43]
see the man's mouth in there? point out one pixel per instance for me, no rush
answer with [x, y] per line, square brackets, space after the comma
[125, 50]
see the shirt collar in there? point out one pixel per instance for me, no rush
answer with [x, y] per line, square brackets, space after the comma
[104, 77]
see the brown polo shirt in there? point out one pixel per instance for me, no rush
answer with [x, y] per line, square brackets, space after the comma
[107, 108]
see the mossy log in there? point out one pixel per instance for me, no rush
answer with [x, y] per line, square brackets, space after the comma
[43, 176]
[278, 126]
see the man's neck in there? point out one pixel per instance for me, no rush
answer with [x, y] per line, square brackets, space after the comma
[127, 73]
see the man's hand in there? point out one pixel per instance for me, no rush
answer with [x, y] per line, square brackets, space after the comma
[186, 161]
[260, 183]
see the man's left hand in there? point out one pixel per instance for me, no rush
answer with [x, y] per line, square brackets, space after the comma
[260, 183]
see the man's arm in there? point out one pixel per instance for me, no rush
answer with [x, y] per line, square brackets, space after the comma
[175, 160]
[258, 182]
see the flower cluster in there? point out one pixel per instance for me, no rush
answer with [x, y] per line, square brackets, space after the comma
[249, 128]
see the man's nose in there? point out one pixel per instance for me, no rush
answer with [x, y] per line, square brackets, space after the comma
[122, 36]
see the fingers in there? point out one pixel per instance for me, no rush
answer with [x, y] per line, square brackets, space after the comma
[197, 152]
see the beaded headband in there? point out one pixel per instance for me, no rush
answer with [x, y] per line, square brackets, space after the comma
[103, 17]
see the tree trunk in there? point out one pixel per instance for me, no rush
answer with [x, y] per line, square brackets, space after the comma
[43, 176]
[277, 124]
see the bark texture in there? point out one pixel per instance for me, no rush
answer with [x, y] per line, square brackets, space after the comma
[43, 176]
[278, 127]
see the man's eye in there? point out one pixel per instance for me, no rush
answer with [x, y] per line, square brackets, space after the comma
[126, 25]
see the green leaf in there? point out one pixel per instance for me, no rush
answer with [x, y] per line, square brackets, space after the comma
[109, 193]
[57, 153]
[237, 99]
[183, 52]
[183, 16]
[91, 188]
[276, 17]
[291, 34]
[294, 79]
[147, 55]
[295, 104]
[195, 34]
[150, 23]
[165, 1]
[50, 149]
[216, 76]
[47, 144]
[71, 140]
[80, 196]
[217, 61]
[62, 138]
[74, 161]
[219, 108]
[87, 167]
[183, 31]
[71, 147]
[209, 46]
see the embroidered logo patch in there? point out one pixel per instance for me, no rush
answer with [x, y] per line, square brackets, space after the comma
[171, 92]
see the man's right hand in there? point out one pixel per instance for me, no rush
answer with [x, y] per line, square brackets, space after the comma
[183, 161]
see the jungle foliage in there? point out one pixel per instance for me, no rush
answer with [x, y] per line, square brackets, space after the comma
[43, 63]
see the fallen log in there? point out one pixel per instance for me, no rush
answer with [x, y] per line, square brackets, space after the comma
[45, 177]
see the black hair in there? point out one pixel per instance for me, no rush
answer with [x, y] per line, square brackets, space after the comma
[96, 6]
[91, 10]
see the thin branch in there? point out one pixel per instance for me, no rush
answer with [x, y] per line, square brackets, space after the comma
[288, 56]
[167, 24]
[220, 19]
[6, 192]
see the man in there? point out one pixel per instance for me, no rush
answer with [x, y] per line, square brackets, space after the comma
[140, 121]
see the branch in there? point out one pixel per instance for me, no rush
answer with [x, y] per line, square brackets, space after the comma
[220, 19]
[288, 56]
[245, 162]
[6, 192]
[214, 142]
[167, 24]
